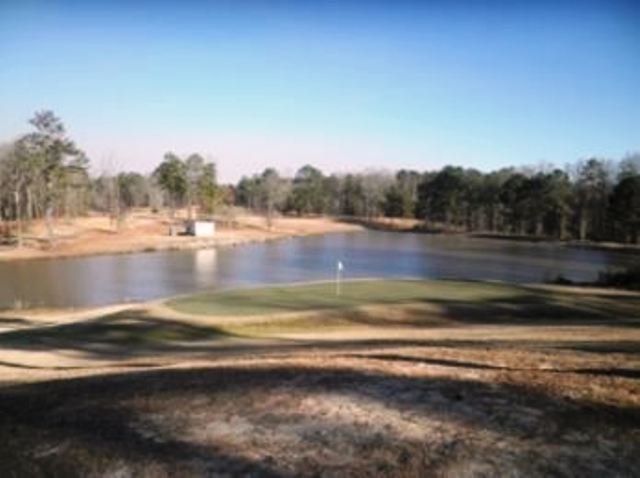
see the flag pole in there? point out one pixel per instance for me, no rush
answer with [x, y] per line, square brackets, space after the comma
[339, 268]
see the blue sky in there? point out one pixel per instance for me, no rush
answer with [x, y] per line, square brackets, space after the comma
[342, 85]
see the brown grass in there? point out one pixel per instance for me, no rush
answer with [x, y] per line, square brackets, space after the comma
[144, 231]
[402, 390]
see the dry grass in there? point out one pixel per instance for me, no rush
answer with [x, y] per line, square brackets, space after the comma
[416, 389]
[144, 231]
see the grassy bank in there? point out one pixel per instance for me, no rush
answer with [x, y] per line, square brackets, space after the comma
[313, 308]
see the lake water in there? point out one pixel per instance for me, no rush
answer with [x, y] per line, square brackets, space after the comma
[101, 280]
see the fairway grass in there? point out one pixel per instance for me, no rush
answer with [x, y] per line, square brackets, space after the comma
[323, 296]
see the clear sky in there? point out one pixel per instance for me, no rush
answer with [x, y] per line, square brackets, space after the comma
[344, 85]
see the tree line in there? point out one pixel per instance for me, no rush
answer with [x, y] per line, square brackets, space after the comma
[593, 199]
[44, 174]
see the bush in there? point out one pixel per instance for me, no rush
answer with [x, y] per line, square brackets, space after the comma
[626, 279]
[562, 280]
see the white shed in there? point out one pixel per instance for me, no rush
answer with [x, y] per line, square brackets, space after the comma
[201, 228]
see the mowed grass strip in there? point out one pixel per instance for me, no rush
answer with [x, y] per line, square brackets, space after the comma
[322, 296]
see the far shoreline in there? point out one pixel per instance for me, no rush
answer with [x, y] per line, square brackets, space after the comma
[92, 237]
[96, 239]
[415, 226]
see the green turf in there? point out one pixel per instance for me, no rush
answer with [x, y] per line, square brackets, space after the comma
[322, 296]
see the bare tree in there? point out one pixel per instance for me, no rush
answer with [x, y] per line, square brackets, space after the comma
[374, 187]
[274, 192]
[194, 167]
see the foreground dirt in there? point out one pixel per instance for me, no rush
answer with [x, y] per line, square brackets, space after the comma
[409, 390]
[145, 231]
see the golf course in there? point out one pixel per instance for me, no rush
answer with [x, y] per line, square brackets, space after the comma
[384, 377]
[351, 239]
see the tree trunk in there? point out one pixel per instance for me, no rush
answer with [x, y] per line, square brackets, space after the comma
[582, 233]
[16, 196]
[269, 216]
[539, 225]
[562, 227]
[30, 212]
[48, 215]
[118, 213]
[48, 211]
[67, 203]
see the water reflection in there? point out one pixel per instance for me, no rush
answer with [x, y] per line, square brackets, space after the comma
[110, 279]
[204, 265]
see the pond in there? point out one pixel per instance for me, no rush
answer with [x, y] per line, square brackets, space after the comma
[101, 280]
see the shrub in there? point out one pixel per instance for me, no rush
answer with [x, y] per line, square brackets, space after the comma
[626, 279]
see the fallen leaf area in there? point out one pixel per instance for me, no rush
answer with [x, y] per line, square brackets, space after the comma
[469, 379]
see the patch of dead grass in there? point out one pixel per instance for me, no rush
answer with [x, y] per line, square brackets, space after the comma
[381, 390]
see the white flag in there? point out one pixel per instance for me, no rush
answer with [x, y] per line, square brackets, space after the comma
[340, 266]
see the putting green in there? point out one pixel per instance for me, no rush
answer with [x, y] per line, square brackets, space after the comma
[322, 296]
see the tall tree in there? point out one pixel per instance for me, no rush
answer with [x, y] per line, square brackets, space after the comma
[557, 203]
[394, 205]
[308, 191]
[374, 185]
[407, 186]
[592, 191]
[17, 173]
[625, 209]
[133, 190]
[248, 192]
[194, 168]
[471, 196]
[274, 191]
[331, 189]
[489, 199]
[513, 203]
[351, 196]
[171, 175]
[629, 166]
[54, 155]
[209, 194]
[444, 196]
